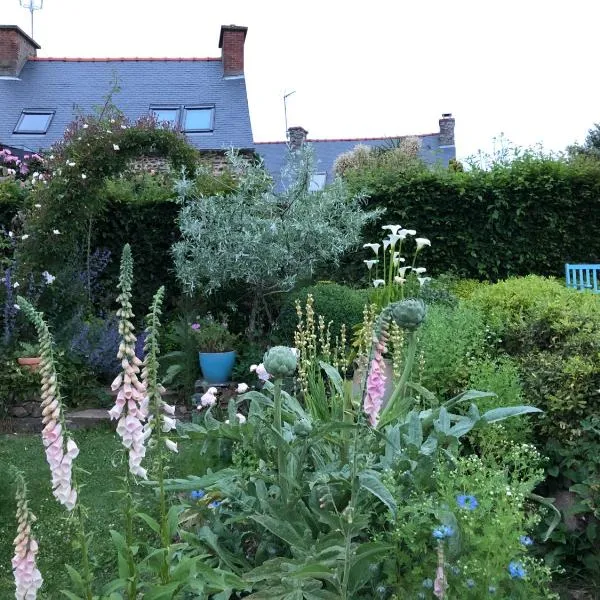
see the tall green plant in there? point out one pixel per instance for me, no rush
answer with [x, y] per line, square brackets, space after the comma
[261, 239]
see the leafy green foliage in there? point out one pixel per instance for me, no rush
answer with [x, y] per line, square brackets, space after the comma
[530, 215]
[336, 303]
[261, 239]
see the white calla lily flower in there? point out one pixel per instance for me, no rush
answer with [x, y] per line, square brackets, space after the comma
[378, 282]
[374, 247]
[370, 263]
[423, 280]
[392, 228]
[420, 270]
[422, 242]
[402, 271]
[400, 280]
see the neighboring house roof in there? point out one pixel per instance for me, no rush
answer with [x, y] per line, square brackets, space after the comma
[77, 86]
[326, 151]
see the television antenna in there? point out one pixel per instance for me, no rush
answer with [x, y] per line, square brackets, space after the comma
[285, 97]
[32, 6]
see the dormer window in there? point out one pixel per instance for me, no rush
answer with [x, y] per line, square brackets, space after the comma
[34, 121]
[198, 119]
[166, 114]
[317, 182]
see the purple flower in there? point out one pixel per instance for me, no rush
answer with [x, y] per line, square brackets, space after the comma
[466, 501]
[444, 531]
[526, 540]
[516, 570]
[195, 326]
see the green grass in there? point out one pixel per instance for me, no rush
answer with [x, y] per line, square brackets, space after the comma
[100, 457]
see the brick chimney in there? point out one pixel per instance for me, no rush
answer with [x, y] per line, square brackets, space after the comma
[296, 137]
[231, 42]
[447, 130]
[15, 48]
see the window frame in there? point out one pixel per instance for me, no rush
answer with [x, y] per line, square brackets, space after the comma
[191, 107]
[175, 107]
[34, 111]
[312, 186]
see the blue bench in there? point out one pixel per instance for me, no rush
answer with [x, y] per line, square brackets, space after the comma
[583, 277]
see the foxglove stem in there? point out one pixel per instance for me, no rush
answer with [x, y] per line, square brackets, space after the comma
[28, 578]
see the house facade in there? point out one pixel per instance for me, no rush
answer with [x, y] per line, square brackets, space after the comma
[204, 97]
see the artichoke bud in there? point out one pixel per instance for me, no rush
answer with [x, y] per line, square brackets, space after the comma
[280, 361]
[302, 428]
[407, 314]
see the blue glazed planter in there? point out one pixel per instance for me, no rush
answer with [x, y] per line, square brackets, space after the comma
[217, 366]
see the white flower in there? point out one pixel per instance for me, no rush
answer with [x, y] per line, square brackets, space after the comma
[386, 243]
[374, 247]
[260, 371]
[16, 284]
[70, 164]
[48, 278]
[423, 280]
[212, 390]
[393, 228]
[38, 205]
[405, 232]
[10, 234]
[123, 126]
[370, 263]
[35, 175]
[399, 280]
[85, 125]
[242, 388]
[17, 307]
[394, 238]
[378, 282]
[168, 424]
[56, 232]
[51, 157]
[24, 237]
[420, 270]
[168, 408]
[421, 242]
[112, 120]
[83, 176]
[402, 271]
[208, 399]
[116, 147]
[240, 417]
[172, 446]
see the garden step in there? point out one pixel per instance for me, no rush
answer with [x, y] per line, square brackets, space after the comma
[90, 417]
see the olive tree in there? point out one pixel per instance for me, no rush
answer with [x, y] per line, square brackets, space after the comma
[263, 239]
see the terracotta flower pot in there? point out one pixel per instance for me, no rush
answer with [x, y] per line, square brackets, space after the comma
[31, 363]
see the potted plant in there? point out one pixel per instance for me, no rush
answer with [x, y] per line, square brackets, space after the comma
[29, 356]
[216, 349]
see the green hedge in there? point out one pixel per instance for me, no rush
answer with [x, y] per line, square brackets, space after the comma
[530, 216]
[336, 303]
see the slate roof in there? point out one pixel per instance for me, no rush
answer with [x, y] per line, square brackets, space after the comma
[326, 151]
[72, 86]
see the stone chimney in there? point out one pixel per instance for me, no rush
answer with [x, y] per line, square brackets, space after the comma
[231, 42]
[15, 48]
[296, 137]
[447, 130]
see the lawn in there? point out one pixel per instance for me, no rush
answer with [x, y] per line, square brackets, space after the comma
[100, 456]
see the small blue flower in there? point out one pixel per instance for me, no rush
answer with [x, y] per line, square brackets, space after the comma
[466, 501]
[470, 583]
[198, 494]
[215, 504]
[492, 589]
[526, 540]
[516, 570]
[428, 583]
[443, 531]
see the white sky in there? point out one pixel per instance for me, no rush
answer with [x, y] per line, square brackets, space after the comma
[525, 68]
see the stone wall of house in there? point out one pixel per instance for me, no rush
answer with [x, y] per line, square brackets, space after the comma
[159, 164]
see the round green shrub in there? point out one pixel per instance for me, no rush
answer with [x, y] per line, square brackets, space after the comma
[336, 303]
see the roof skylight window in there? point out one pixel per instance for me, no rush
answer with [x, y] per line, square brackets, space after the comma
[197, 119]
[34, 121]
[166, 114]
